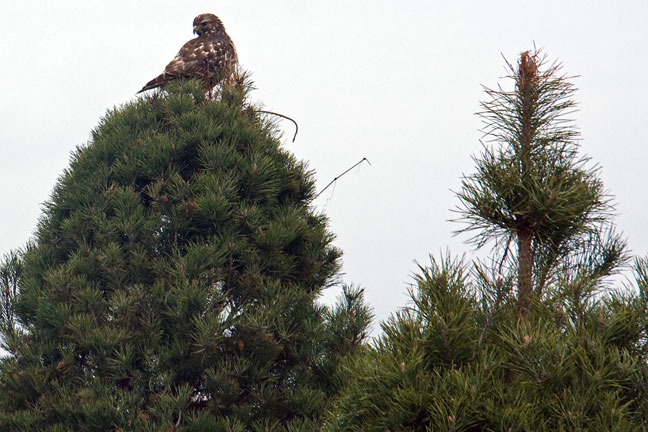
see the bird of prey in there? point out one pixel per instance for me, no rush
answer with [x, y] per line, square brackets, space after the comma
[211, 56]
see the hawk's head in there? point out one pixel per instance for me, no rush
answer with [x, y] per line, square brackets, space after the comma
[207, 23]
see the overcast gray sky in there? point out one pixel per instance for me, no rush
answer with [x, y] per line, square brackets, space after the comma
[397, 82]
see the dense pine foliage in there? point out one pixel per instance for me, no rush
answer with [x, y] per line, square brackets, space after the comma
[452, 362]
[173, 281]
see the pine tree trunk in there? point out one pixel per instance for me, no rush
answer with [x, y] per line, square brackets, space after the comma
[525, 256]
[528, 82]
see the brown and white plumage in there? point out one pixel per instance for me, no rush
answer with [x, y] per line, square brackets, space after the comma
[211, 56]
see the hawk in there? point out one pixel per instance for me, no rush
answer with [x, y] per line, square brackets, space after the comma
[211, 56]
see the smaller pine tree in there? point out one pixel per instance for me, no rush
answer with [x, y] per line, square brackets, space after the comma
[529, 341]
[531, 187]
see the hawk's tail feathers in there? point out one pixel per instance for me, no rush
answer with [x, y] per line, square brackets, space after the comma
[155, 82]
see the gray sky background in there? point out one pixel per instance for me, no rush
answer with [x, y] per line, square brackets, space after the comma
[397, 82]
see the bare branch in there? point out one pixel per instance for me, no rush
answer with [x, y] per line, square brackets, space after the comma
[283, 116]
[336, 178]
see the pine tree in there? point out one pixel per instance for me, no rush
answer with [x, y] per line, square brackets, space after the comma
[173, 281]
[524, 343]
[531, 187]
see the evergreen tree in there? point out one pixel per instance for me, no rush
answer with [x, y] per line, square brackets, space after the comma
[531, 188]
[529, 343]
[173, 281]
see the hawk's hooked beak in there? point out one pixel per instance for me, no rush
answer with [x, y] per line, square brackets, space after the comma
[195, 30]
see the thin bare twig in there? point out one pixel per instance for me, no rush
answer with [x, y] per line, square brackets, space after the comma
[283, 116]
[336, 178]
[506, 251]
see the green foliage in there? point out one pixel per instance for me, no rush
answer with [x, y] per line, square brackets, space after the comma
[174, 278]
[531, 188]
[531, 170]
[468, 355]
[11, 269]
[451, 363]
